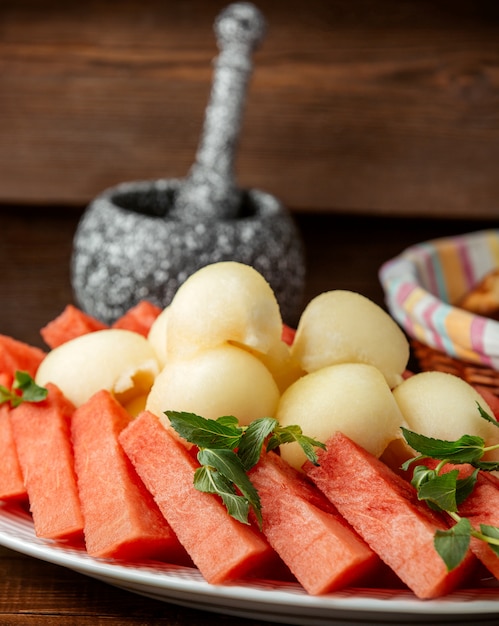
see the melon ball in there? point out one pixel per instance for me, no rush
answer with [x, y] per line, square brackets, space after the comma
[221, 381]
[345, 327]
[353, 398]
[444, 406]
[121, 361]
[157, 336]
[281, 365]
[221, 302]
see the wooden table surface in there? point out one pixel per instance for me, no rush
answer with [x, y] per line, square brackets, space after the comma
[35, 247]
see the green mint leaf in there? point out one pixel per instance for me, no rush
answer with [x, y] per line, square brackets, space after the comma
[29, 390]
[291, 434]
[228, 464]
[486, 416]
[206, 433]
[452, 545]
[210, 480]
[422, 475]
[252, 442]
[465, 486]
[7, 396]
[491, 532]
[441, 491]
[466, 449]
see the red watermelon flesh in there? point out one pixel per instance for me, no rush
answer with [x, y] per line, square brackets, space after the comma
[383, 508]
[480, 507]
[121, 517]
[222, 548]
[71, 323]
[17, 355]
[139, 318]
[42, 437]
[11, 478]
[306, 531]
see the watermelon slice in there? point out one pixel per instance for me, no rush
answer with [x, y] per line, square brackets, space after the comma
[17, 355]
[42, 437]
[121, 517]
[306, 531]
[71, 323]
[11, 478]
[139, 318]
[222, 548]
[480, 507]
[384, 509]
[288, 334]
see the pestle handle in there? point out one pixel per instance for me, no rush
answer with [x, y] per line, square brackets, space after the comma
[210, 190]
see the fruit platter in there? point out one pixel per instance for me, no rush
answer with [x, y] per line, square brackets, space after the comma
[207, 454]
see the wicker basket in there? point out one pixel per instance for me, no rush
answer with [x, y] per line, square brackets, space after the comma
[430, 359]
[422, 286]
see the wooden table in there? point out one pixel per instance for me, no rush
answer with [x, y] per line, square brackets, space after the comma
[35, 248]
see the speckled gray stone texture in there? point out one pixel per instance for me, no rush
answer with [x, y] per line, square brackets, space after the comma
[127, 249]
[141, 240]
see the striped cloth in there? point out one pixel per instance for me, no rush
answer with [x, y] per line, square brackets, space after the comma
[422, 283]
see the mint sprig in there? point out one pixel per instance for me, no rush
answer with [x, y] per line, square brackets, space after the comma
[445, 491]
[24, 389]
[227, 451]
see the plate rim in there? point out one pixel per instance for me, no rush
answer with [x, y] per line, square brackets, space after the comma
[153, 579]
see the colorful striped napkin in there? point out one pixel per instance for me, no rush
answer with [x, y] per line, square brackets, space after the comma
[423, 282]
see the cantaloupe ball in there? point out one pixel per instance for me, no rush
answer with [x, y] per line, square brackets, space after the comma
[346, 327]
[157, 336]
[444, 406]
[279, 362]
[221, 381]
[226, 301]
[120, 361]
[352, 398]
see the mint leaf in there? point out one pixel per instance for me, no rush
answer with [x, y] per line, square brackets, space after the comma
[441, 491]
[486, 416]
[206, 433]
[452, 545]
[227, 451]
[24, 389]
[251, 444]
[491, 532]
[229, 465]
[291, 434]
[210, 480]
[466, 449]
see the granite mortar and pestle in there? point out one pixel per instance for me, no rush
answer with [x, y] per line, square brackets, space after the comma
[141, 240]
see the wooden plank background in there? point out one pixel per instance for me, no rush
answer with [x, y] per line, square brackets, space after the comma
[358, 106]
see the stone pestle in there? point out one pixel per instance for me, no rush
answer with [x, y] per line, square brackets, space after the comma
[142, 239]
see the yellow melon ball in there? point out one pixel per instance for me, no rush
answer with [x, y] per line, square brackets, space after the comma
[346, 327]
[444, 406]
[221, 302]
[157, 336]
[220, 381]
[352, 398]
[120, 361]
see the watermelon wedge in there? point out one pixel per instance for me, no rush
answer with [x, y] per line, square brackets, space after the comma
[71, 323]
[384, 509]
[121, 518]
[306, 530]
[17, 355]
[480, 507]
[139, 318]
[42, 437]
[11, 477]
[222, 548]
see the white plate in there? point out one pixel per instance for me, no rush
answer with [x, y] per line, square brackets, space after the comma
[269, 601]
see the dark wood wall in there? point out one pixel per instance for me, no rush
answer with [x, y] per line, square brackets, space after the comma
[368, 106]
